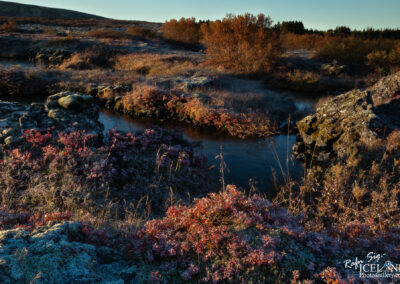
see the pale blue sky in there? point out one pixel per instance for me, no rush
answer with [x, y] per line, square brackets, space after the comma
[320, 14]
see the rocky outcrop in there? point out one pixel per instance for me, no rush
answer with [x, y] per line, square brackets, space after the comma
[342, 121]
[63, 111]
[386, 89]
[48, 256]
[109, 96]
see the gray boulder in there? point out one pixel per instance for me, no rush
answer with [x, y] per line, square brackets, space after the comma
[76, 103]
[48, 256]
[342, 121]
[63, 111]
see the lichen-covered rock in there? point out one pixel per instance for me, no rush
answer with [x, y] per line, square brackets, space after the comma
[75, 103]
[342, 121]
[48, 256]
[386, 89]
[62, 111]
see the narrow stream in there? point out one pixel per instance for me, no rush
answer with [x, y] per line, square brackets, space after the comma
[266, 162]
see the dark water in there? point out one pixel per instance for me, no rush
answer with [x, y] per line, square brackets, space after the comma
[268, 162]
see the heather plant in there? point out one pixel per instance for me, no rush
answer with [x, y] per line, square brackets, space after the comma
[360, 187]
[71, 171]
[229, 237]
[22, 218]
[244, 43]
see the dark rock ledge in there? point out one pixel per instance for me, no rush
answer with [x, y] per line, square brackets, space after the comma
[339, 123]
[63, 111]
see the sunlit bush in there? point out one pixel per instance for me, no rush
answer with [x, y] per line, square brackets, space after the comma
[243, 43]
[186, 31]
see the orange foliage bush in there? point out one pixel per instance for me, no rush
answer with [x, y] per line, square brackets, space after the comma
[243, 43]
[112, 34]
[305, 41]
[141, 32]
[186, 31]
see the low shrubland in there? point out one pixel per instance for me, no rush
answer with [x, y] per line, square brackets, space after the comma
[16, 83]
[380, 55]
[230, 237]
[300, 81]
[149, 64]
[94, 57]
[142, 32]
[362, 186]
[76, 172]
[106, 34]
[63, 41]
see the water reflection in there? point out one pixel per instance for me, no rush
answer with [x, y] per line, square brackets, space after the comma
[260, 160]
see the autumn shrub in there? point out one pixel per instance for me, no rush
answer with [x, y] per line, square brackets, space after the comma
[106, 34]
[141, 32]
[9, 26]
[184, 31]
[383, 61]
[88, 59]
[243, 43]
[150, 101]
[302, 41]
[356, 51]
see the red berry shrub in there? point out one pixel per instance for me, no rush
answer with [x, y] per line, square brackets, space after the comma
[228, 237]
[68, 171]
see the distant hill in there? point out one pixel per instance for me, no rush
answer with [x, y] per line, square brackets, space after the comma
[12, 9]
